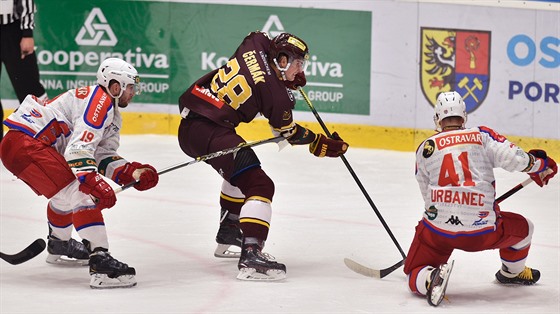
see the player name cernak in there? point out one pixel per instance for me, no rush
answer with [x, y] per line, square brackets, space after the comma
[254, 68]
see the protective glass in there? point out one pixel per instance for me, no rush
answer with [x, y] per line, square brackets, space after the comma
[136, 85]
[300, 63]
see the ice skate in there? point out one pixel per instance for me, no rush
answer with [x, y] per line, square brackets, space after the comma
[527, 277]
[229, 239]
[257, 266]
[438, 283]
[66, 253]
[107, 272]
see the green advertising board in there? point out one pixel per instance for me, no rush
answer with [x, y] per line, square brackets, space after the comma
[172, 44]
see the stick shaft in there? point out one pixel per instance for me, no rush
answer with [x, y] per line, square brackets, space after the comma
[514, 190]
[223, 152]
[358, 182]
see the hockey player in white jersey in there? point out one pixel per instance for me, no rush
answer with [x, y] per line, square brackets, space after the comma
[64, 149]
[454, 169]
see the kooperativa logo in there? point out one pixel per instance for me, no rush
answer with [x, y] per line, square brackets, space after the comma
[273, 26]
[96, 31]
[455, 60]
[70, 68]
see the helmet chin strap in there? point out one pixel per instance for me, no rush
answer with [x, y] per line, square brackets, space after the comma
[116, 98]
[282, 69]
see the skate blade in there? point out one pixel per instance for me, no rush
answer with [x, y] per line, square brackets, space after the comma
[102, 281]
[438, 293]
[66, 261]
[251, 274]
[223, 251]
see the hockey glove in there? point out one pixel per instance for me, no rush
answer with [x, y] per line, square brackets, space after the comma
[299, 81]
[93, 184]
[332, 147]
[146, 176]
[549, 170]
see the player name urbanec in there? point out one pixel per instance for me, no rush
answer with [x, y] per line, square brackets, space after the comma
[464, 198]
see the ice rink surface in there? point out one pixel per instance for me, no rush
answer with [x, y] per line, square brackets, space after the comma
[320, 216]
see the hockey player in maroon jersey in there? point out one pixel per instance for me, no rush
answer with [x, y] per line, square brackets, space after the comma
[61, 149]
[454, 169]
[257, 79]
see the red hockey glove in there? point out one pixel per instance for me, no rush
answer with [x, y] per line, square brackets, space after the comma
[332, 147]
[299, 81]
[94, 185]
[550, 169]
[146, 176]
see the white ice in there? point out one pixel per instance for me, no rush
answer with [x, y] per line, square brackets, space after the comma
[320, 216]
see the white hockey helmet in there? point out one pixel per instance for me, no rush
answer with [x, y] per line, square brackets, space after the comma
[449, 104]
[120, 71]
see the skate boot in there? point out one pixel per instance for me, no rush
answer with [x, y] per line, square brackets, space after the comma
[107, 272]
[527, 277]
[255, 265]
[229, 236]
[66, 253]
[437, 284]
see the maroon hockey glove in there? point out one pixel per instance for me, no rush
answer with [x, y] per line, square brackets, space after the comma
[146, 176]
[299, 81]
[550, 169]
[332, 147]
[94, 185]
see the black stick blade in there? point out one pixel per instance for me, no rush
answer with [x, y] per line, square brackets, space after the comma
[28, 253]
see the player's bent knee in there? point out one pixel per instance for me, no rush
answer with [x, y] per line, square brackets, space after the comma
[417, 280]
[255, 182]
[245, 159]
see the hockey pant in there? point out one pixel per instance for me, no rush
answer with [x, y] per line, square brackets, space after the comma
[429, 250]
[47, 173]
[200, 136]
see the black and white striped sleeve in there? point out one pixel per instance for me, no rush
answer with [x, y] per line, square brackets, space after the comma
[27, 16]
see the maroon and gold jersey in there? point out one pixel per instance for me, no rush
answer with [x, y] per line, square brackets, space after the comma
[243, 87]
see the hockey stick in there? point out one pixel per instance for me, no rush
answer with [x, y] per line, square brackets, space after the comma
[277, 139]
[385, 271]
[380, 273]
[514, 190]
[521, 185]
[370, 272]
[28, 253]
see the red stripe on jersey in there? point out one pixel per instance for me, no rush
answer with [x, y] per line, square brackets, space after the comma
[98, 107]
[493, 134]
[205, 95]
[18, 126]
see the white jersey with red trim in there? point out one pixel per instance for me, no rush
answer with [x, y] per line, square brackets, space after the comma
[81, 124]
[454, 170]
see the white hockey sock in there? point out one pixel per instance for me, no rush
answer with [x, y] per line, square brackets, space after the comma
[96, 235]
